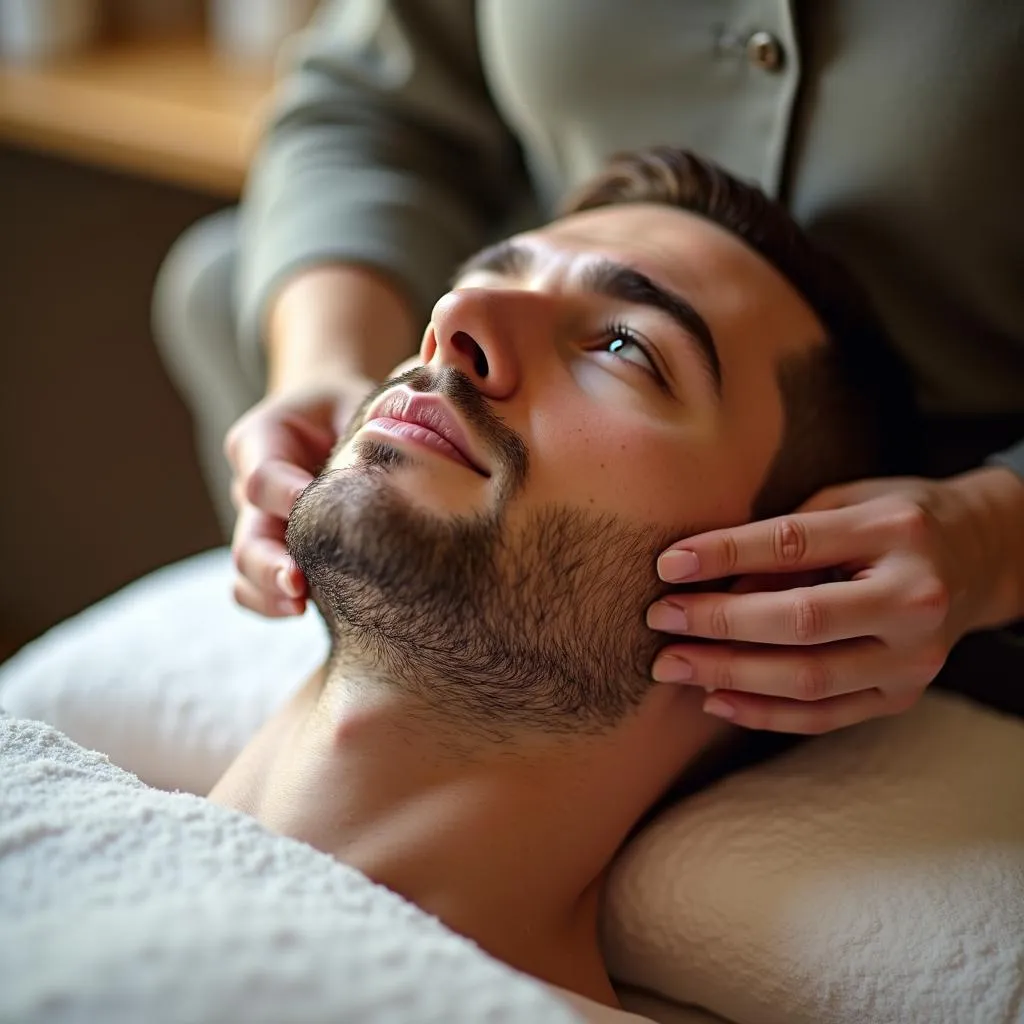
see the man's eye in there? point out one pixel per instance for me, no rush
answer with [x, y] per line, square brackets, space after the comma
[622, 342]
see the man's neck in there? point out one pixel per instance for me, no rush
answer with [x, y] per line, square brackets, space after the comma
[507, 844]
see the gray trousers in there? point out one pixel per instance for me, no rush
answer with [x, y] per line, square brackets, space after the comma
[195, 333]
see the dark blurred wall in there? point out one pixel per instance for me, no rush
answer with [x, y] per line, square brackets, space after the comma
[98, 481]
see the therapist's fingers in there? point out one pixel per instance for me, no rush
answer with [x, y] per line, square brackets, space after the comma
[259, 554]
[811, 674]
[275, 448]
[273, 487]
[263, 603]
[811, 540]
[800, 616]
[776, 714]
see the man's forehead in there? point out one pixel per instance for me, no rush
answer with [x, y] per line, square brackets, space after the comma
[663, 241]
[640, 229]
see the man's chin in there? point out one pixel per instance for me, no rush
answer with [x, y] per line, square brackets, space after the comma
[377, 552]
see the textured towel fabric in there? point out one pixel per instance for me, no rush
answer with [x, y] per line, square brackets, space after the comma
[873, 876]
[122, 904]
[169, 677]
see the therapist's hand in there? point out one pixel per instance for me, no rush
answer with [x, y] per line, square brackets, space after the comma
[898, 571]
[275, 450]
[332, 330]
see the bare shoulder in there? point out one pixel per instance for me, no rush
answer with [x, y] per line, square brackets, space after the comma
[245, 775]
[597, 1013]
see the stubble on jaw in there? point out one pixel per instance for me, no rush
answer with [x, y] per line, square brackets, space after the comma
[502, 622]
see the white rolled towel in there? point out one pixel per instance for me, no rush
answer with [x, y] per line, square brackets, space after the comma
[872, 876]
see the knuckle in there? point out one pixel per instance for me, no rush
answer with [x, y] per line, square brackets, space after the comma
[234, 438]
[723, 676]
[929, 663]
[255, 485]
[729, 555]
[231, 442]
[928, 602]
[789, 541]
[810, 620]
[813, 681]
[910, 522]
[718, 622]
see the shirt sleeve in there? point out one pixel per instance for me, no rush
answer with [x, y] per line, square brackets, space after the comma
[1012, 458]
[383, 149]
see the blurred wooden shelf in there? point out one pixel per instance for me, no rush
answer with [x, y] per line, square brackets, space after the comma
[170, 110]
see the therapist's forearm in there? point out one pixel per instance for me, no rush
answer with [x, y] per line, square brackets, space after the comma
[337, 321]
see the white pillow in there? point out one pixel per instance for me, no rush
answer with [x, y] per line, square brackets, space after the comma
[168, 677]
[872, 875]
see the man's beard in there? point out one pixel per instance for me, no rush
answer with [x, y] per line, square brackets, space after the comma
[498, 627]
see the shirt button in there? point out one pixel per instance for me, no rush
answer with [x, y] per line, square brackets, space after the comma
[764, 51]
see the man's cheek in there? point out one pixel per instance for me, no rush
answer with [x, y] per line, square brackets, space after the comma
[623, 480]
[344, 456]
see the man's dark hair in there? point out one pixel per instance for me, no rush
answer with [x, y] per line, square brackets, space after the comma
[849, 409]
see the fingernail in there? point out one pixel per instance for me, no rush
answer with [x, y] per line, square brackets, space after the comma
[670, 617]
[290, 607]
[674, 566]
[672, 669]
[719, 708]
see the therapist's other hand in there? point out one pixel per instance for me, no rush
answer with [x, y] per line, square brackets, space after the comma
[275, 450]
[899, 570]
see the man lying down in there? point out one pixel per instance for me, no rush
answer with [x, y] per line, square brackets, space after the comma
[670, 356]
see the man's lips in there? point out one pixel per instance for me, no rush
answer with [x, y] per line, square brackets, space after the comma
[426, 419]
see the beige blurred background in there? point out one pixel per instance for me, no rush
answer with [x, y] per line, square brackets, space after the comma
[121, 123]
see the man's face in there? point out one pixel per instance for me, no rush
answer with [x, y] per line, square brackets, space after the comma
[635, 428]
[590, 391]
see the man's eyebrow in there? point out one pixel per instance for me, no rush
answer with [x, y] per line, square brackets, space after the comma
[618, 281]
[614, 280]
[507, 259]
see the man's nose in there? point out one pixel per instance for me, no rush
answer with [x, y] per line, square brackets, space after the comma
[483, 332]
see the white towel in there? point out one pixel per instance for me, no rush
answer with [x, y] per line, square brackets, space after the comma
[169, 677]
[122, 904]
[872, 876]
